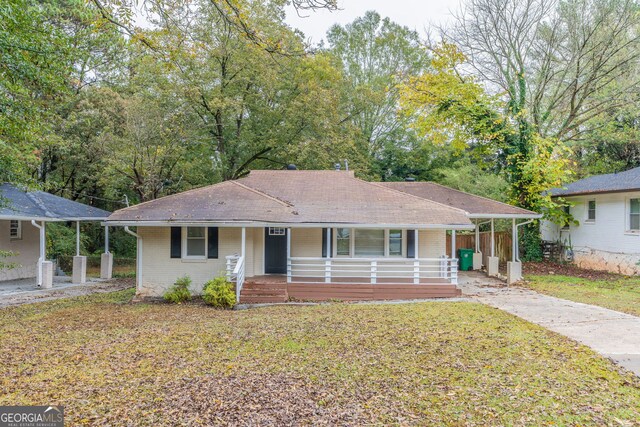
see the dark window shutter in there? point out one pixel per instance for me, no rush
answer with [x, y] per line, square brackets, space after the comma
[212, 242]
[176, 242]
[411, 243]
[324, 243]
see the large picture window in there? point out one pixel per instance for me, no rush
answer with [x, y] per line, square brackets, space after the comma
[368, 243]
[196, 242]
[634, 214]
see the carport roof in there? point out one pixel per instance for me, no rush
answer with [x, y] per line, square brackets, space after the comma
[477, 206]
[16, 203]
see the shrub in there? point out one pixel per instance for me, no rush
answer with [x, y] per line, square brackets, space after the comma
[219, 293]
[180, 291]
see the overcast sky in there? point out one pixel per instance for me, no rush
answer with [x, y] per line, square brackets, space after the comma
[415, 14]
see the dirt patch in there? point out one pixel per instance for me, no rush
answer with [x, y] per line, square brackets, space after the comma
[550, 268]
[67, 292]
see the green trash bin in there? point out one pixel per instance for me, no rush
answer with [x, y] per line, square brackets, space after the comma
[465, 259]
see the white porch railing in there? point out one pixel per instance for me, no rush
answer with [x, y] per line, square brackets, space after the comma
[372, 270]
[235, 272]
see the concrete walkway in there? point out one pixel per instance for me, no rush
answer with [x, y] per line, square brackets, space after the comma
[612, 334]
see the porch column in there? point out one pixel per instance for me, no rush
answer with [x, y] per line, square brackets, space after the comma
[288, 255]
[514, 267]
[106, 259]
[243, 243]
[493, 261]
[416, 260]
[79, 275]
[453, 244]
[477, 255]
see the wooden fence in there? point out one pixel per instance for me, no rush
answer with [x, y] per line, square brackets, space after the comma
[502, 247]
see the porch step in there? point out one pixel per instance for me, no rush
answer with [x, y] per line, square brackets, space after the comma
[268, 291]
[261, 299]
[248, 285]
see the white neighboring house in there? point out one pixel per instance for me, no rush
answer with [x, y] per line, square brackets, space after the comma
[607, 209]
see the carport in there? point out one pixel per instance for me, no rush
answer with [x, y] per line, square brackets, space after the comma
[481, 211]
[23, 218]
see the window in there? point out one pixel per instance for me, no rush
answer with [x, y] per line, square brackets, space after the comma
[343, 241]
[395, 242]
[15, 229]
[277, 231]
[634, 214]
[369, 242]
[196, 242]
[591, 211]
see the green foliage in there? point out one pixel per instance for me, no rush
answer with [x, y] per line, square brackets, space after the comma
[61, 239]
[219, 293]
[4, 255]
[468, 177]
[179, 292]
[375, 56]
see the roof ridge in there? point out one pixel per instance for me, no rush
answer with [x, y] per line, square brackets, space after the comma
[412, 195]
[476, 195]
[268, 196]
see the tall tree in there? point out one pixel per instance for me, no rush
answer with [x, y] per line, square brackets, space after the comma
[377, 55]
[254, 105]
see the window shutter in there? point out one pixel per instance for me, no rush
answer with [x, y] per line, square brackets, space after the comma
[324, 243]
[411, 243]
[212, 242]
[176, 242]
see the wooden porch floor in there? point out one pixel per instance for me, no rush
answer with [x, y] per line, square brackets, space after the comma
[274, 288]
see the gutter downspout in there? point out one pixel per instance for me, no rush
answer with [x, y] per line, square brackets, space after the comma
[517, 244]
[42, 249]
[138, 256]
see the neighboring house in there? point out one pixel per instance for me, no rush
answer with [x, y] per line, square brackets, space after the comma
[303, 235]
[23, 218]
[607, 211]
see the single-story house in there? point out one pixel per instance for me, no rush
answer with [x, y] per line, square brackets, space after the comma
[317, 234]
[23, 218]
[606, 234]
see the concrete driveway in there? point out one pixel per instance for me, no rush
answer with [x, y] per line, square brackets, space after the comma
[612, 334]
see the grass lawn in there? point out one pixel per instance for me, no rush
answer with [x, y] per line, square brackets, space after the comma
[616, 292]
[113, 363]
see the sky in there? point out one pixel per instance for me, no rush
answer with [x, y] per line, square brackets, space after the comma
[415, 14]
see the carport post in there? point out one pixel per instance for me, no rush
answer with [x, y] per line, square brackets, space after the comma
[106, 259]
[514, 240]
[477, 237]
[106, 239]
[79, 275]
[77, 238]
[493, 240]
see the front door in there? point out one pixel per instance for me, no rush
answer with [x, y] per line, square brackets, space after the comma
[275, 250]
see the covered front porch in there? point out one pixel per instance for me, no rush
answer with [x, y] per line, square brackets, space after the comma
[344, 271]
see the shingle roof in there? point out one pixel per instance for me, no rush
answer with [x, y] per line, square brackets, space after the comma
[21, 204]
[611, 182]
[475, 205]
[317, 197]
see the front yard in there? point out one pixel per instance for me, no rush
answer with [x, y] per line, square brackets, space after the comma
[613, 291]
[114, 363]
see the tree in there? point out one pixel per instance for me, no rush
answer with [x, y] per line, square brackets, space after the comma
[254, 108]
[454, 109]
[376, 55]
